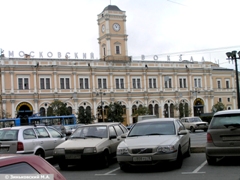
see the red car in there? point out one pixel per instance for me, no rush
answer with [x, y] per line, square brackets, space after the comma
[27, 164]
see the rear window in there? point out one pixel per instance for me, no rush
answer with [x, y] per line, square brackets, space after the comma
[8, 135]
[223, 121]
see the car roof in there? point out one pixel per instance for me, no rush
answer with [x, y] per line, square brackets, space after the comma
[102, 123]
[20, 127]
[233, 111]
[157, 119]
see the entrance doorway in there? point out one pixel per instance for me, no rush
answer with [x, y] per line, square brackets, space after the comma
[198, 107]
[24, 110]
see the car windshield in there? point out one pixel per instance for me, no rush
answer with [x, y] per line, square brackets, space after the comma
[8, 135]
[225, 121]
[153, 128]
[195, 120]
[90, 132]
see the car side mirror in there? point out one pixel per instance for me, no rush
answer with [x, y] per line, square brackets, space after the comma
[113, 137]
[183, 132]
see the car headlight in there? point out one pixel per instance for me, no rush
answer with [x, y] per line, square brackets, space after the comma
[59, 151]
[89, 150]
[122, 151]
[166, 149]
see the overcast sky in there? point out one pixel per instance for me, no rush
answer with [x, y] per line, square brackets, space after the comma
[154, 27]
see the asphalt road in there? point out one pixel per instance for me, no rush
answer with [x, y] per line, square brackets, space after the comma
[194, 168]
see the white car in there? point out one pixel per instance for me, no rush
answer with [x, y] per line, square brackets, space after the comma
[194, 123]
[154, 141]
[94, 143]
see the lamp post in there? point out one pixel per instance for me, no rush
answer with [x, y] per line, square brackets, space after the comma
[233, 56]
[101, 93]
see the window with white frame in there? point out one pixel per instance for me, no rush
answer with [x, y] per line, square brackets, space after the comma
[167, 82]
[219, 84]
[182, 82]
[136, 83]
[152, 82]
[197, 82]
[84, 82]
[219, 99]
[119, 83]
[117, 48]
[23, 83]
[102, 83]
[44, 83]
[65, 83]
[227, 84]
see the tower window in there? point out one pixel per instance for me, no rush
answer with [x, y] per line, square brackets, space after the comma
[117, 49]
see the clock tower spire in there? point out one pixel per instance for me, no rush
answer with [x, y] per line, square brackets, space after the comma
[112, 35]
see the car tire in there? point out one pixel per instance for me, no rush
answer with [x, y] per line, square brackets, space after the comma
[192, 129]
[105, 160]
[179, 160]
[63, 165]
[188, 153]
[40, 153]
[211, 160]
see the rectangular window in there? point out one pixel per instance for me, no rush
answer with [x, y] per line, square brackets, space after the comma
[219, 84]
[64, 83]
[228, 99]
[227, 84]
[182, 83]
[83, 82]
[136, 83]
[44, 83]
[23, 83]
[167, 82]
[117, 50]
[152, 83]
[220, 100]
[197, 82]
[122, 83]
[102, 83]
[119, 83]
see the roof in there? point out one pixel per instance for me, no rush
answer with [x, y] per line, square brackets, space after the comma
[21, 127]
[112, 8]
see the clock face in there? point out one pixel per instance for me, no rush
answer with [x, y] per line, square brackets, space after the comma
[116, 27]
[103, 28]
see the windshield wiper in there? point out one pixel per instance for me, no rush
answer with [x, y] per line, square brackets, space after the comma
[93, 137]
[134, 135]
[236, 125]
[154, 134]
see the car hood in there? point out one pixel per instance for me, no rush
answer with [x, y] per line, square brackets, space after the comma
[140, 141]
[77, 143]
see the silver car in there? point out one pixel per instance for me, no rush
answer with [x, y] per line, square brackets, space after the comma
[154, 141]
[38, 140]
[94, 143]
[223, 136]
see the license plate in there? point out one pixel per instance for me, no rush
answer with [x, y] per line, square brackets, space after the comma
[142, 158]
[73, 156]
[3, 149]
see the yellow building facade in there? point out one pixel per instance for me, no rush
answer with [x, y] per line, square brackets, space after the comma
[29, 84]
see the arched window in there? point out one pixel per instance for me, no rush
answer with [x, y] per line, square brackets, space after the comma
[156, 111]
[150, 109]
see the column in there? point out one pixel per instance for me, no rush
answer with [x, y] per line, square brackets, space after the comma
[36, 105]
[160, 83]
[129, 82]
[111, 82]
[75, 105]
[93, 81]
[205, 79]
[95, 108]
[35, 82]
[206, 104]
[176, 82]
[212, 101]
[4, 106]
[211, 86]
[74, 82]
[145, 83]
[3, 82]
[130, 110]
[190, 82]
[13, 110]
[162, 105]
[55, 81]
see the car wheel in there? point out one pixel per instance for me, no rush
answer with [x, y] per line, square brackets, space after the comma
[105, 160]
[192, 129]
[188, 153]
[211, 160]
[179, 161]
[40, 153]
[63, 165]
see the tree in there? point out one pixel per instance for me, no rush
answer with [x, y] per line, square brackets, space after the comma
[85, 116]
[57, 108]
[115, 112]
[219, 106]
[140, 111]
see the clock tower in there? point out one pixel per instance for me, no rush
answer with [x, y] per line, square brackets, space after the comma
[112, 35]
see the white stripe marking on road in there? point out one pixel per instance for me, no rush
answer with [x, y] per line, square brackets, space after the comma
[108, 173]
[197, 169]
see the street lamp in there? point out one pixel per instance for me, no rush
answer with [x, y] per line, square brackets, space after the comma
[101, 93]
[233, 56]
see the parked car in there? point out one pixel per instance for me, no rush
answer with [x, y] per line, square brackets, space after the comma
[27, 164]
[90, 143]
[67, 130]
[194, 123]
[223, 136]
[38, 140]
[152, 142]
